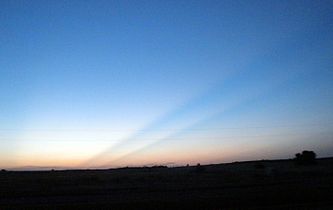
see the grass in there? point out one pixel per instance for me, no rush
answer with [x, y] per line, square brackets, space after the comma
[276, 184]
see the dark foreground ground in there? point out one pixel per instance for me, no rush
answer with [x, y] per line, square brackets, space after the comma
[245, 185]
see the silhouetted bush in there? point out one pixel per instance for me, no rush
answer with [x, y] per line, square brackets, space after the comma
[305, 158]
[199, 168]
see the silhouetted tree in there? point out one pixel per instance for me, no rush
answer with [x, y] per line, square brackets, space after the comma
[305, 158]
[199, 168]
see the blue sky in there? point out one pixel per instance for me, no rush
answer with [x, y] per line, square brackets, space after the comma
[114, 83]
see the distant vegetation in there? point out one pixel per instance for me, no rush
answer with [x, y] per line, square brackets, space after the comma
[199, 168]
[305, 158]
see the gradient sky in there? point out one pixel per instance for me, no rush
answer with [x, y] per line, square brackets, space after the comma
[124, 83]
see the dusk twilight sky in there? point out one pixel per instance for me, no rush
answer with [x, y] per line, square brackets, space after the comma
[99, 84]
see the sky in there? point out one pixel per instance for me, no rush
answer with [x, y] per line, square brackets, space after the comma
[99, 84]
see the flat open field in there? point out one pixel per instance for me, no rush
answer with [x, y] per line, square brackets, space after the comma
[278, 184]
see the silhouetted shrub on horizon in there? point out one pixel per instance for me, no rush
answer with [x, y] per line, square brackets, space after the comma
[199, 168]
[305, 158]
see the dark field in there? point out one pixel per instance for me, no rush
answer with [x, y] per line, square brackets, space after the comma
[276, 184]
